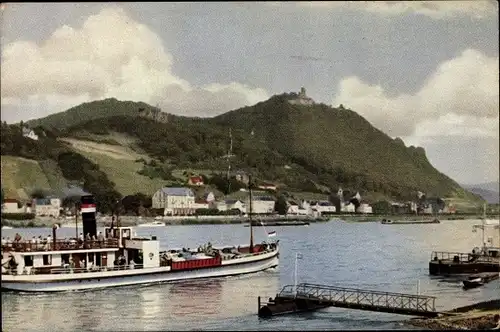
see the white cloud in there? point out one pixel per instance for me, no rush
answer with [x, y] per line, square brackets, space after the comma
[454, 115]
[433, 9]
[465, 87]
[111, 55]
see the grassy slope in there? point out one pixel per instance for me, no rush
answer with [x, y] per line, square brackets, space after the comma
[20, 176]
[118, 162]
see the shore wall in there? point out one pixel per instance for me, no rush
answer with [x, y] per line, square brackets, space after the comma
[487, 305]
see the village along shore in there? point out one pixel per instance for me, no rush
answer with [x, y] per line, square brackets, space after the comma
[131, 221]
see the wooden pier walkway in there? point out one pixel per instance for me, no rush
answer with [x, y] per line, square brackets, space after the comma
[309, 297]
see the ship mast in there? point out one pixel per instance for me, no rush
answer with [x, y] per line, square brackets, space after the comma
[76, 220]
[483, 224]
[229, 155]
[250, 213]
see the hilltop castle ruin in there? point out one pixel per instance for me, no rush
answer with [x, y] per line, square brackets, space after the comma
[302, 98]
[154, 114]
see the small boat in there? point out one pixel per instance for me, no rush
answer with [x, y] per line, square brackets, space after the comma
[6, 227]
[473, 282]
[480, 279]
[155, 223]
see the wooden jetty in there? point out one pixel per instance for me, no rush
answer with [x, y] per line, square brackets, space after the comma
[444, 263]
[308, 297]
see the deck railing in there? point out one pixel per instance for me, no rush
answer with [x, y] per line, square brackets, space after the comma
[68, 270]
[418, 303]
[95, 269]
[28, 246]
[460, 257]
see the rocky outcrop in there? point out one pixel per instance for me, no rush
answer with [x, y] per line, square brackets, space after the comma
[154, 114]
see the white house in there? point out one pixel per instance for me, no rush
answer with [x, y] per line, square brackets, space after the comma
[176, 200]
[262, 204]
[12, 206]
[210, 197]
[348, 207]
[427, 210]
[236, 204]
[29, 133]
[49, 206]
[200, 204]
[365, 208]
[293, 208]
[324, 207]
[220, 205]
[268, 186]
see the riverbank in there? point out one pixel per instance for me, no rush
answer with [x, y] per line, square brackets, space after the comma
[379, 218]
[479, 316]
[131, 221]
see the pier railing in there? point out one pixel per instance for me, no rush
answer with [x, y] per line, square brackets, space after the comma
[460, 257]
[362, 298]
[28, 246]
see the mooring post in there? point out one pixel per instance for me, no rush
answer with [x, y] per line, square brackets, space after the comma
[258, 304]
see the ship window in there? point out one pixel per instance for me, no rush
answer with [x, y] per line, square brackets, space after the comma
[65, 259]
[98, 259]
[47, 259]
[28, 261]
[91, 257]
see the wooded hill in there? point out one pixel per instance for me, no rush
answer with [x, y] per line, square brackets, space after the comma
[301, 148]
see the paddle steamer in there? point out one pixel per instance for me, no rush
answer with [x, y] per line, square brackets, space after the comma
[119, 258]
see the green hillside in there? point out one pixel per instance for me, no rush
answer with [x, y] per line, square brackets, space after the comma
[341, 148]
[315, 149]
[89, 111]
[21, 176]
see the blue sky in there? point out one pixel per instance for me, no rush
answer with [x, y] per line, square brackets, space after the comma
[423, 71]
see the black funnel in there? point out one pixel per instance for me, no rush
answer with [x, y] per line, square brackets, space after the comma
[88, 213]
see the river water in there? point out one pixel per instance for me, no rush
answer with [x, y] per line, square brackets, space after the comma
[361, 255]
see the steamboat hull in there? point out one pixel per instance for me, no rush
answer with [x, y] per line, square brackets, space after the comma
[446, 268]
[97, 280]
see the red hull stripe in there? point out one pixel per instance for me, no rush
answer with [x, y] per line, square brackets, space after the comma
[85, 206]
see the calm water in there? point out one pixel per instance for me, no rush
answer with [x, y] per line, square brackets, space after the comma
[365, 255]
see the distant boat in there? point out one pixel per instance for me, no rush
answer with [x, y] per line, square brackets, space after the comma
[7, 227]
[155, 223]
[278, 223]
[404, 222]
[72, 225]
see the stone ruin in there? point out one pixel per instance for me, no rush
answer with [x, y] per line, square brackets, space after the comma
[154, 114]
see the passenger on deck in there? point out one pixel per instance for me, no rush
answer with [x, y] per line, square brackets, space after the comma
[80, 237]
[87, 237]
[4, 242]
[17, 238]
[496, 320]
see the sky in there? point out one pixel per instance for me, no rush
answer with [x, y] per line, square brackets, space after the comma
[427, 72]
